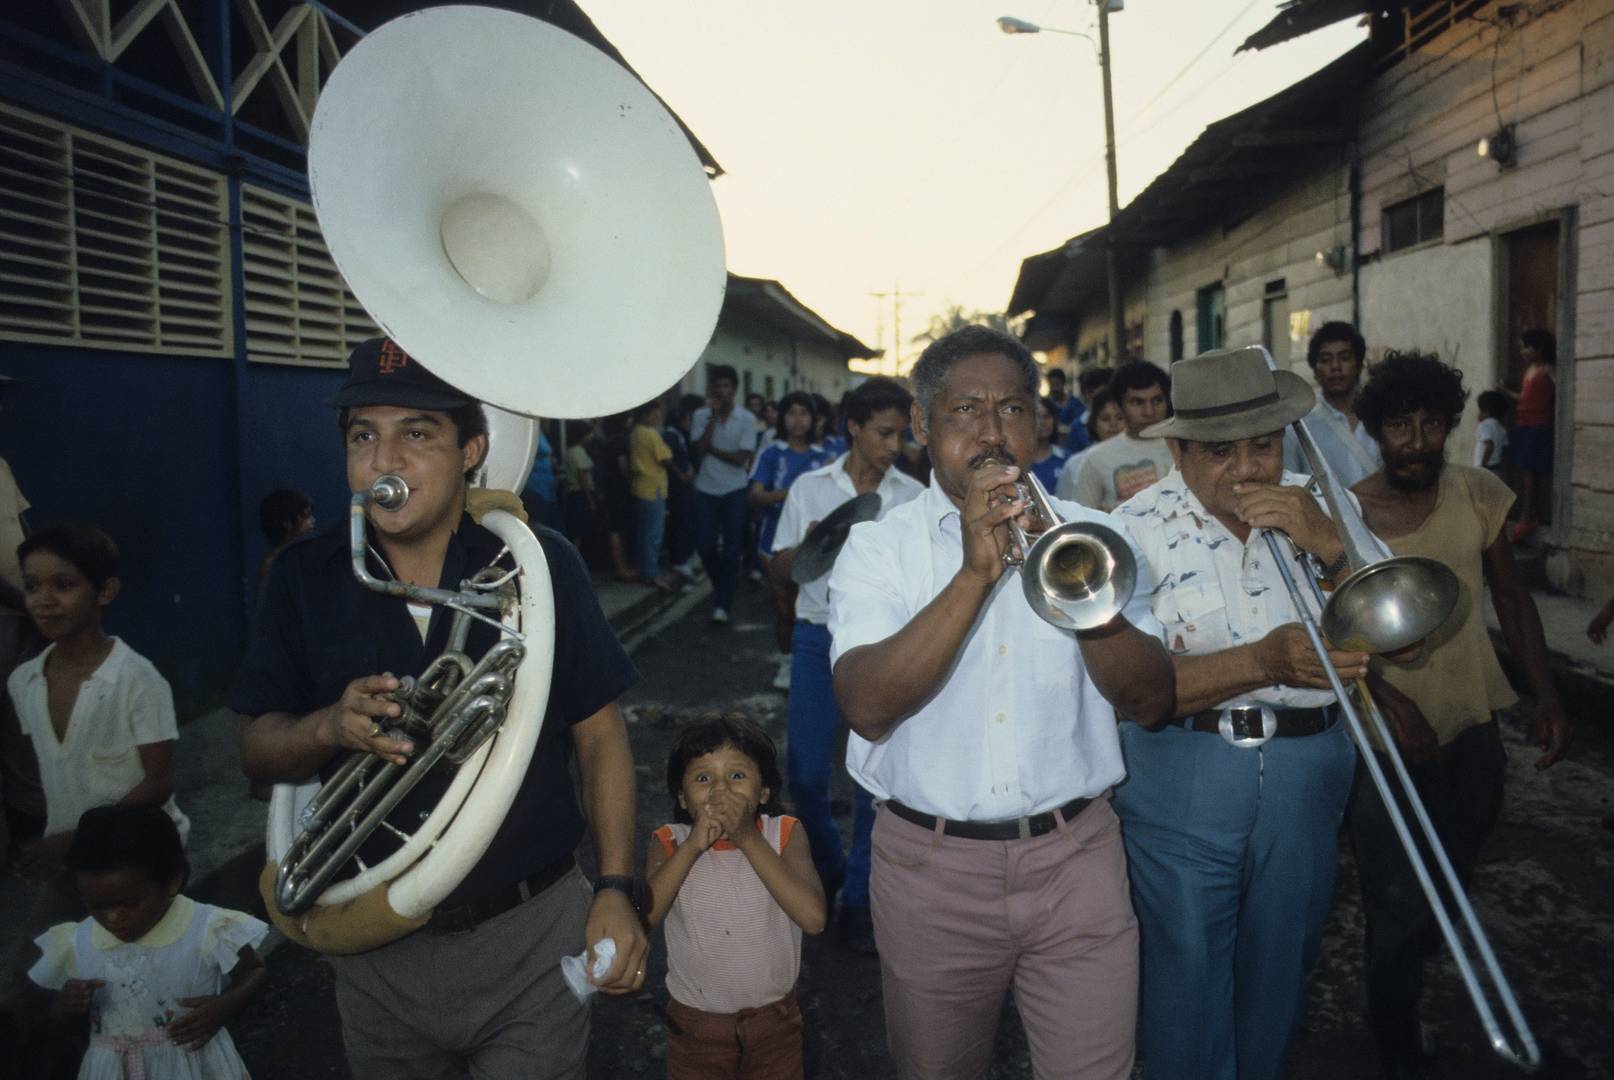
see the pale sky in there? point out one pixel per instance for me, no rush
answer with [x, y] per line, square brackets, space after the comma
[877, 144]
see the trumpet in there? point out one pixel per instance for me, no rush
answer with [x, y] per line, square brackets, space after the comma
[1384, 605]
[1077, 575]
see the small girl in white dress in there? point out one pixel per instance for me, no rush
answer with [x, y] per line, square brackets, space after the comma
[157, 973]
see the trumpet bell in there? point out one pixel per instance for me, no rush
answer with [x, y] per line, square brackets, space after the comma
[1079, 575]
[516, 209]
[1390, 604]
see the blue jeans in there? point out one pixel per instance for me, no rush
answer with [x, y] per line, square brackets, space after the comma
[647, 540]
[1231, 854]
[815, 721]
[721, 519]
[680, 523]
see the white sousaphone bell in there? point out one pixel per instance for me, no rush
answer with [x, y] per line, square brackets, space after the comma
[523, 216]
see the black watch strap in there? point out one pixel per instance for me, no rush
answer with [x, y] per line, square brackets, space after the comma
[1340, 565]
[626, 884]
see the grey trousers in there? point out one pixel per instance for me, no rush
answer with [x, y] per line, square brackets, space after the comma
[488, 1003]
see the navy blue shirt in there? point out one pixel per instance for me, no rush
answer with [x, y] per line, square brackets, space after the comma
[318, 629]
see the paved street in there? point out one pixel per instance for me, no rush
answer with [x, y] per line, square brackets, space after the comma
[1542, 892]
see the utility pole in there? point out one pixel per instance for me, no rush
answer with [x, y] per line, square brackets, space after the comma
[897, 296]
[1011, 25]
[1112, 262]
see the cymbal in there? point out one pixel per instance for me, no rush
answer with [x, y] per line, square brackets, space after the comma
[817, 552]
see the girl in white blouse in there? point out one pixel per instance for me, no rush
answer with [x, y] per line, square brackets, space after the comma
[100, 716]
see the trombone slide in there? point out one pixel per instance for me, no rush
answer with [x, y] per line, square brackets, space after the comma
[1526, 1053]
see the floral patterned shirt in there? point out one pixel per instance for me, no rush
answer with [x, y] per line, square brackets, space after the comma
[1213, 593]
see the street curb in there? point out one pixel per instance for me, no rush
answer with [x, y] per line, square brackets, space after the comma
[1585, 689]
[644, 610]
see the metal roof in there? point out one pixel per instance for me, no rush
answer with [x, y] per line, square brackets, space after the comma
[1235, 162]
[1298, 17]
[770, 303]
[1396, 26]
[1221, 177]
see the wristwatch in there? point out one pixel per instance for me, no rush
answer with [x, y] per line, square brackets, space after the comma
[1340, 565]
[626, 884]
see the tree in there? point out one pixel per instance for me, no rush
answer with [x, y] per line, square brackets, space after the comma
[956, 317]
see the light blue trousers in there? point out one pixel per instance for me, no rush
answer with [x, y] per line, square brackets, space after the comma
[1231, 854]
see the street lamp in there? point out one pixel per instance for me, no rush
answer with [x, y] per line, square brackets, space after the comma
[1011, 25]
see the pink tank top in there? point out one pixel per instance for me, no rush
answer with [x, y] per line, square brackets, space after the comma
[730, 946]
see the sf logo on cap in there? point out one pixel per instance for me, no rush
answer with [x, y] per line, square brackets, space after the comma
[392, 358]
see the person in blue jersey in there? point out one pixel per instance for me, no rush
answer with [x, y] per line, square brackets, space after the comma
[790, 454]
[1078, 410]
[827, 427]
[1047, 459]
[793, 453]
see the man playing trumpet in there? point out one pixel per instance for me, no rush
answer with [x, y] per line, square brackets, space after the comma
[479, 986]
[1231, 842]
[989, 737]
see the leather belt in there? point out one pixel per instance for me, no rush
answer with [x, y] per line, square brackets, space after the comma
[1016, 829]
[1291, 722]
[462, 917]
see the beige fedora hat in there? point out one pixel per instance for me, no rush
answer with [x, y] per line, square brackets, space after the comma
[1232, 394]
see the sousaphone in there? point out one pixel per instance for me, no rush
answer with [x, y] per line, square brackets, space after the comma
[521, 215]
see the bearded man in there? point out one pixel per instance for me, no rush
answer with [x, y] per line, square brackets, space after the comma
[1442, 708]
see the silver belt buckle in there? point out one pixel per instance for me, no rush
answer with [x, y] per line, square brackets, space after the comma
[1247, 724]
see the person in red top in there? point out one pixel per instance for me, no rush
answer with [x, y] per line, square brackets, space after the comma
[1532, 425]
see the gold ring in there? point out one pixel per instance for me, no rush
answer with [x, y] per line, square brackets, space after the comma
[375, 730]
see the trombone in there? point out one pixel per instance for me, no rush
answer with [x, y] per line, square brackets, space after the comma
[1077, 575]
[1383, 605]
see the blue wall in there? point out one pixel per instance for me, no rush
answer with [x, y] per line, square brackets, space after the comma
[171, 455]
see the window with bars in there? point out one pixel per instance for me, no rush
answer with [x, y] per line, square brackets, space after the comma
[298, 310]
[1415, 221]
[109, 245]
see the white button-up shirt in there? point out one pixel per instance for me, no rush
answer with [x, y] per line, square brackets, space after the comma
[1211, 592]
[1018, 727]
[813, 497]
[738, 432]
[124, 705]
[1351, 454]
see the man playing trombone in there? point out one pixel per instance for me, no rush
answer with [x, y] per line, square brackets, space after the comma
[1441, 709]
[989, 737]
[1232, 831]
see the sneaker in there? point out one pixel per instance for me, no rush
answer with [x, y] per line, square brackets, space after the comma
[755, 576]
[781, 677]
[719, 615]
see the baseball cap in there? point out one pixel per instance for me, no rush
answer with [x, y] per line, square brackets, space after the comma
[379, 372]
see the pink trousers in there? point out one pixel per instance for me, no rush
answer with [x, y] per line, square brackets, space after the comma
[959, 922]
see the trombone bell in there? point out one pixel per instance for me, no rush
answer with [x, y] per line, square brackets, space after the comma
[1390, 604]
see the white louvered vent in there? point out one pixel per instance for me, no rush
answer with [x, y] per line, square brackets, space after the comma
[105, 244]
[298, 309]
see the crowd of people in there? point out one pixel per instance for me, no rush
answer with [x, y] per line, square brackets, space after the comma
[1070, 815]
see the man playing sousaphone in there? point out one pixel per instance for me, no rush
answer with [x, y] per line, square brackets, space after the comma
[479, 985]
[989, 737]
[1231, 834]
